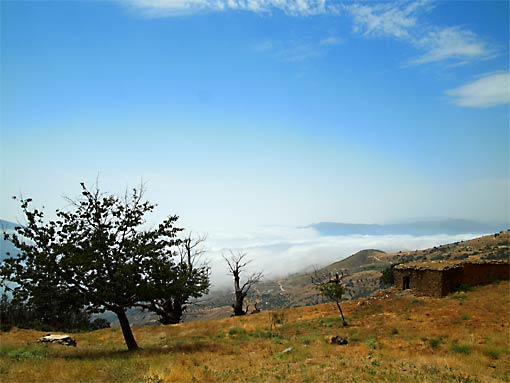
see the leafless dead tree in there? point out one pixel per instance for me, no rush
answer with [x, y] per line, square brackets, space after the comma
[237, 264]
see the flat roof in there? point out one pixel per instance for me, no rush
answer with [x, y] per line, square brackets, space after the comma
[447, 264]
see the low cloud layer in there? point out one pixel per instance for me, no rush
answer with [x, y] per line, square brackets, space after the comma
[280, 251]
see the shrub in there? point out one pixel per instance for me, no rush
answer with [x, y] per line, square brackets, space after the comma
[236, 331]
[493, 352]
[463, 288]
[461, 348]
[26, 353]
[371, 343]
[434, 342]
[394, 331]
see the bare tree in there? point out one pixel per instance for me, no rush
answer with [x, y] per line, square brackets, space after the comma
[331, 287]
[237, 264]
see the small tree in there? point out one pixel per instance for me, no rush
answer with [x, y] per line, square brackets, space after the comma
[236, 265]
[332, 288]
[387, 277]
[172, 286]
[96, 254]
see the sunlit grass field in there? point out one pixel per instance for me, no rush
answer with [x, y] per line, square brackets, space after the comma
[393, 337]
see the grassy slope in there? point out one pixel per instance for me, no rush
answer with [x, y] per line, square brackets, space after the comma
[393, 337]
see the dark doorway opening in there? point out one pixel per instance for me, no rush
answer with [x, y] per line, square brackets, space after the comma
[406, 283]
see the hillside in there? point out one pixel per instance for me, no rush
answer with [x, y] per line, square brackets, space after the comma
[363, 269]
[393, 337]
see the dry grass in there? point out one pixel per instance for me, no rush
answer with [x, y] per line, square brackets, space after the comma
[393, 337]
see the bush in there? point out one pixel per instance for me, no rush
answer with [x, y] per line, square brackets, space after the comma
[26, 353]
[434, 342]
[234, 331]
[461, 348]
[493, 352]
[463, 288]
[371, 343]
[387, 277]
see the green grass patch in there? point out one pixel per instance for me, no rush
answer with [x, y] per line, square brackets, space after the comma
[461, 348]
[493, 352]
[25, 353]
[463, 288]
[371, 343]
[435, 342]
[236, 331]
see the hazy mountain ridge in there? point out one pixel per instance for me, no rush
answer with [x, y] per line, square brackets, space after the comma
[445, 226]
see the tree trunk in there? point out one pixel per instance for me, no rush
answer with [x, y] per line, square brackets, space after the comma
[341, 313]
[172, 313]
[126, 330]
[238, 305]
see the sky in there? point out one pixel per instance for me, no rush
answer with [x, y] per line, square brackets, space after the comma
[239, 115]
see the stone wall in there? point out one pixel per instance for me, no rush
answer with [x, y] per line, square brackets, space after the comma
[428, 282]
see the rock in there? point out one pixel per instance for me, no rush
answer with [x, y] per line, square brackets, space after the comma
[339, 340]
[289, 349]
[65, 340]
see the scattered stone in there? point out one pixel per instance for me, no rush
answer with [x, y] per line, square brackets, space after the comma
[65, 340]
[338, 340]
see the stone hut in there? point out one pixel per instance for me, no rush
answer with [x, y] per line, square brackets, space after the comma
[439, 278]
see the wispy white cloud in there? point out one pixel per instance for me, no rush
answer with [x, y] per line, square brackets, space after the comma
[487, 91]
[401, 21]
[386, 19]
[297, 50]
[451, 44]
[169, 8]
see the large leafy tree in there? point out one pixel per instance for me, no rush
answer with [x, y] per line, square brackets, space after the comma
[97, 253]
[171, 287]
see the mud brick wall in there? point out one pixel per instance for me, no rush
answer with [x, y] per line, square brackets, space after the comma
[481, 274]
[451, 279]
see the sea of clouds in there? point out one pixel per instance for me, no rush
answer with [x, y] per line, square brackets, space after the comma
[280, 251]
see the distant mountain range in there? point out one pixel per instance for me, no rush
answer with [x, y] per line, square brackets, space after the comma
[445, 226]
[6, 246]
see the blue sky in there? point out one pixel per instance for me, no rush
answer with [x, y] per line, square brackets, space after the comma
[240, 114]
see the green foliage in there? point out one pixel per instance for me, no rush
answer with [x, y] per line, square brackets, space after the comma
[434, 342]
[387, 277]
[394, 331]
[25, 353]
[493, 352]
[236, 331]
[461, 348]
[99, 256]
[332, 291]
[42, 313]
[371, 343]
[463, 288]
